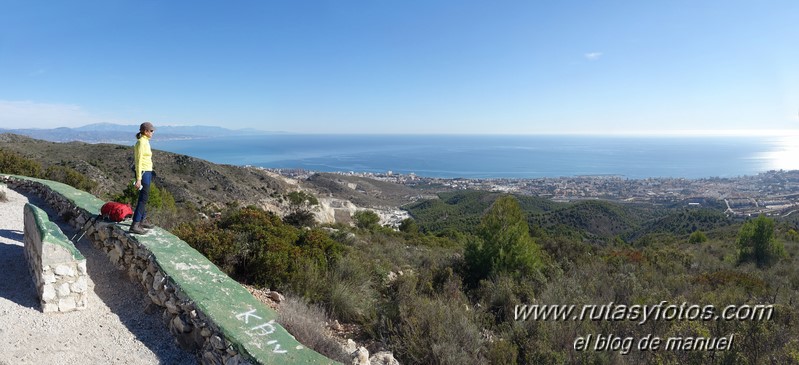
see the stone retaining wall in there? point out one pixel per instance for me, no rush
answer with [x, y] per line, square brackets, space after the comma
[57, 267]
[206, 310]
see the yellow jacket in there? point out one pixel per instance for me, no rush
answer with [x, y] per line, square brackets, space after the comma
[143, 156]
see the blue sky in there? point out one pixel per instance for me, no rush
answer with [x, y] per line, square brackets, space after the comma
[403, 66]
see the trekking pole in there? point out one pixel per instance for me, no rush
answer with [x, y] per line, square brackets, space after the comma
[85, 228]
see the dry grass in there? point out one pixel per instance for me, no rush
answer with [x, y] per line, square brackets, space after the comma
[307, 323]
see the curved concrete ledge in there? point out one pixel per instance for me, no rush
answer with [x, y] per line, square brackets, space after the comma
[204, 308]
[61, 248]
[57, 267]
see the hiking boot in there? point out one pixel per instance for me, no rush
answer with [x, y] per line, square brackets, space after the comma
[146, 224]
[136, 228]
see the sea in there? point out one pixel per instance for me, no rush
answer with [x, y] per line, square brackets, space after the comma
[501, 156]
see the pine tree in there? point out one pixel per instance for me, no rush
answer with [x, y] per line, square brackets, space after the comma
[756, 242]
[504, 245]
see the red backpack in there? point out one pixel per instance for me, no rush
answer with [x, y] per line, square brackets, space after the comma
[115, 211]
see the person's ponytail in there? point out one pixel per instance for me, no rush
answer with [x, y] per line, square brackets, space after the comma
[138, 135]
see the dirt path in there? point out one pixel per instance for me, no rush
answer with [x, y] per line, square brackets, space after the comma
[114, 330]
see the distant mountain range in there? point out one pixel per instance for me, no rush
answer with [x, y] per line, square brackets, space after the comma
[116, 133]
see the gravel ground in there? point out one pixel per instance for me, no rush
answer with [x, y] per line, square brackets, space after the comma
[113, 330]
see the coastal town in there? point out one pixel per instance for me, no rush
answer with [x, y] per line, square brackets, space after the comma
[770, 193]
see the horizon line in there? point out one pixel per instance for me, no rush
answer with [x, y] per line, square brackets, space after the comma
[634, 133]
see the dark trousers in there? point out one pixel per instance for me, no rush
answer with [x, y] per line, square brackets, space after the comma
[144, 194]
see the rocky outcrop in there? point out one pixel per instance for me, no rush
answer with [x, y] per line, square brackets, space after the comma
[360, 355]
[334, 210]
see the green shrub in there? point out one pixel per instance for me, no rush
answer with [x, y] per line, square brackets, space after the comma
[697, 237]
[425, 330]
[159, 198]
[501, 294]
[254, 246]
[793, 236]
[161, 207]
[300, 204]
[366, 219]
[12, 163]
[756, 242]
[218, 245]
[502, 352]
[408, 225]
[504, 244]
[70, 177]
[302, 218]
[350, 294]
[301, 200]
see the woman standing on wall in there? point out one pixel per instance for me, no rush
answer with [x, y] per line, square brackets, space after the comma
[143, 159]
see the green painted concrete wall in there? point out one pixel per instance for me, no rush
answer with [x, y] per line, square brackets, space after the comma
[243, 319]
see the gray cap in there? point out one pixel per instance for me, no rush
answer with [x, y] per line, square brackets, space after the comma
[146, 126]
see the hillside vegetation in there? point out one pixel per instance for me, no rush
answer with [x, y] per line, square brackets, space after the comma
[456, 283]
[461, 210]
[196, 185]
[191, 181]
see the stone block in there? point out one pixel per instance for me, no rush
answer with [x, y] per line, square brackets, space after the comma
[48, 277]
[217, 343]
[102, 234]
[82, 302]
[181, 325]
[64, 270]
[80, 285]
[197, 337]
[163, 297]
[113, 256]
[146, 279]
[277, 297]
[166, 317]
[186, 341]
[158, 281]
[49, 307]
[383, 358]
[210, 358]
[172, 307]
[63, 290]
[48, 293]
[118, 248]
[67, 304]
[154, 297]
[361, 356]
